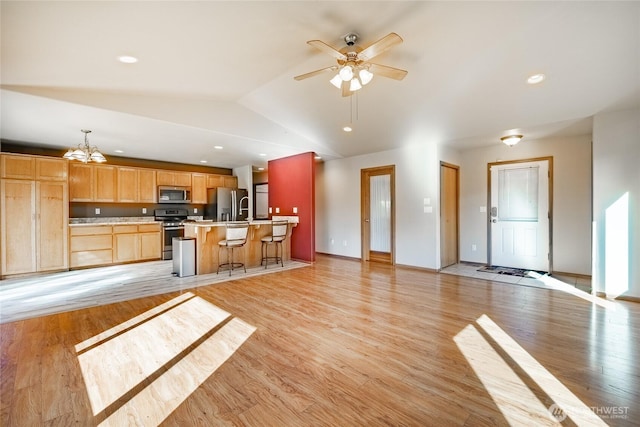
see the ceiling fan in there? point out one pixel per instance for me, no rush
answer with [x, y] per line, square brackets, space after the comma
[354, 69]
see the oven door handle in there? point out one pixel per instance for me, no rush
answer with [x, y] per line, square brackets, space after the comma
[174, 228]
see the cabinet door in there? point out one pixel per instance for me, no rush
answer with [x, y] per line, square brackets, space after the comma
[52, 207]
[214, 181]
[147, 186]
[18, 167]
[182, 179]
[198, 188]
[105, 184]
[80, 182]
[150, 246]
[125, 247]
[230, 181]
[51, 169]
[18, 230]
[127, 184]
[165, 178]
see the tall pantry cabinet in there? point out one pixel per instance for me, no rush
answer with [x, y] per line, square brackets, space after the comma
[34, 209]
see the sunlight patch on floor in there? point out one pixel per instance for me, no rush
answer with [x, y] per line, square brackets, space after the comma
[517, 402]
[141, 370]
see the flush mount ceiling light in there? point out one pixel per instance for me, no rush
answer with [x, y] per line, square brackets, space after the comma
[85, 152]
[354, 69]
[347, 128]
[536, 78]
[511, 140]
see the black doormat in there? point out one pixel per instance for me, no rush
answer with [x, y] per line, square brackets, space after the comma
[505, 270]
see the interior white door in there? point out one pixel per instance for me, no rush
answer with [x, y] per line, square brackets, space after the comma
[520, 215]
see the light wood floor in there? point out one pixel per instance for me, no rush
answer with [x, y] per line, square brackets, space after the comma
[338, 343]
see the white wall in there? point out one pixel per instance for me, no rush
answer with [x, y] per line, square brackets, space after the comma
[571, 198]
[417, 178]
[616, 175]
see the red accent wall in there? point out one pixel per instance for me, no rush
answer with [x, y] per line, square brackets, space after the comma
[292, 184]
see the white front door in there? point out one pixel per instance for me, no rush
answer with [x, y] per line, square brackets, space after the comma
[519, 215]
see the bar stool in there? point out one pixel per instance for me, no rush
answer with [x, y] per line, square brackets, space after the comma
[235, 237]
[278, 235]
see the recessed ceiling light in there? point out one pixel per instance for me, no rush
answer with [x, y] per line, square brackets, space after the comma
[118, 151]
[262, 154]
[218, 147]
[535, 79]
[203, 161]
[347, 129]
[126, 59]
[260, 169]
[317, 157]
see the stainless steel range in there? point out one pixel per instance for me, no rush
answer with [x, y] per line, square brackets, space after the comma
[172, 226]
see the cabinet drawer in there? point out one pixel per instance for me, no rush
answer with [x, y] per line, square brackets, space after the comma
[89, 230]
[91, 243]
[149, 228]
[86, 258]
[119, 229]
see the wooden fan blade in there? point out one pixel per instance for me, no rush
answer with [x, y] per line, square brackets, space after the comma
[320, 45]
[380, 46]
[386, 71]
[345, 89]
[315, 73]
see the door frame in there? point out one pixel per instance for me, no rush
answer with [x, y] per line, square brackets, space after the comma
[365, 198]
[550, 183]
[457, 197]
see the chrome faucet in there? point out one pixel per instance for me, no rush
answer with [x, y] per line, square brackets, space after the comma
[244, 209]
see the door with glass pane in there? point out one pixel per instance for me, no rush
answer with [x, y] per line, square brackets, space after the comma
[377, 214]
[520, 215]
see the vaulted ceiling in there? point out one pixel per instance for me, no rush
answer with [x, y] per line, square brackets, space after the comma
[221, 73]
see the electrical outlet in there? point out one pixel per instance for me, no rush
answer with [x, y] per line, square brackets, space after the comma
[195, 210]
[277, 210]
[144, 210]
[474, 247]
[97, 211]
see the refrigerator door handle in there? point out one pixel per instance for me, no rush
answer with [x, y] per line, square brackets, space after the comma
[234, 214]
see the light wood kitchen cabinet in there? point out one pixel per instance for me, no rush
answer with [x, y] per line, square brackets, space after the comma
[90, 245]
[127, 184]
[24, 166]
[180, 179]
[105, 183]
[228, 181]
[136, 242]
[51, 169]
[81, 180]
[198, 188]
[18, 166]
[92, 183]
[34, 220]
[52, 207]
[136, 185]
[147, 187]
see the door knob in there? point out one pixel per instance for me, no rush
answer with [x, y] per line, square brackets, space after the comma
[366, 220]
[494, 220]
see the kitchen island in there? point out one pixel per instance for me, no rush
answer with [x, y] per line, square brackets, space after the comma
[209, 233]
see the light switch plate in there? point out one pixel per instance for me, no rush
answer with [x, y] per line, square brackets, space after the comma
[277, 210]
[428, 209]
[483, 209]
[295, 210]
[195, 210]
[97, 211]
[144, 210]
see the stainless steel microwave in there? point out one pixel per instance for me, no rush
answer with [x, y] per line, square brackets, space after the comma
[167, 194]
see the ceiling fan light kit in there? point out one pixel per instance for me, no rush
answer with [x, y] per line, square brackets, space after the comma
[354, 69]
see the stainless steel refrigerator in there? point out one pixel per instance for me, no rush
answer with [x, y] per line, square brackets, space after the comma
[227, 204]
